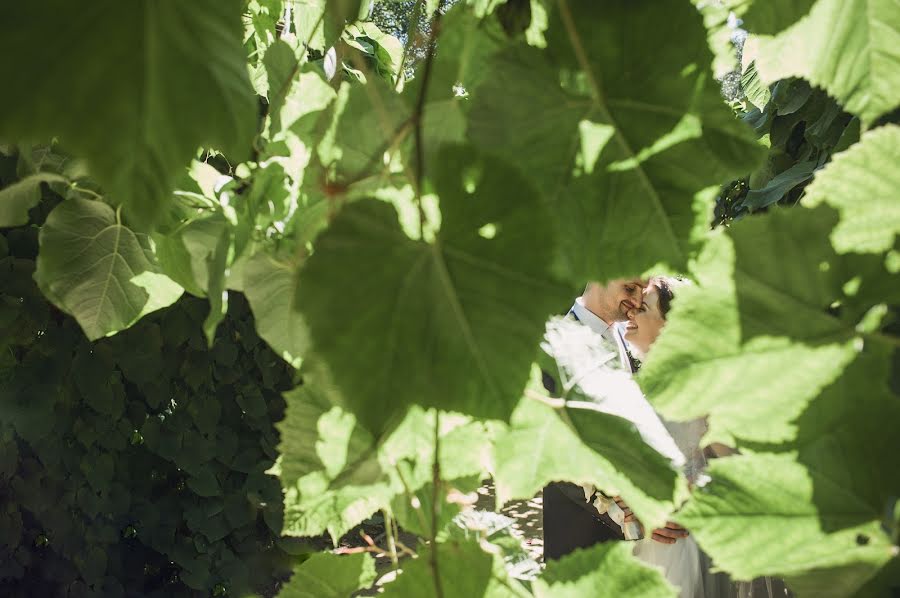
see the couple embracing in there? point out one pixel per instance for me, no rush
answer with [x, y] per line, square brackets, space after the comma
[579, 516]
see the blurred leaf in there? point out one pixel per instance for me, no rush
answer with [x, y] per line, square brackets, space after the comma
[141, 93]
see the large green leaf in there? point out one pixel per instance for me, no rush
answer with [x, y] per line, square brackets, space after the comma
[862, 184]
[604, 570]
[768, 18]
[368, 120]
[319, 23]
[144, 84]
[754, 315]
[21, 196]
[336, 473]
[459, 569]
[451, 320]
[319, 443]
[617, 142]
[327, 575]
[768, 515]
[722, 18]
[99, 271]
[851, 48]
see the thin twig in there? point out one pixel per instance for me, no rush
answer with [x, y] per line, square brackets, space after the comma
[435, 505]
[406, 549]
[389, 533]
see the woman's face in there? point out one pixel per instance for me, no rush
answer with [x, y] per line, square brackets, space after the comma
[645, 322]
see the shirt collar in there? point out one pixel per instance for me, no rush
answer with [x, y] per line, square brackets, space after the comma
[589, 318]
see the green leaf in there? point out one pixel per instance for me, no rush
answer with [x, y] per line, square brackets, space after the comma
[204, 482]
[616, 143]
[768, 515]
[585, 440]
[333, 469]
[271, 288]
[309, 94]
[603, 570]
[99, 271]
[780, 185]
[819, 505]
[16, 199]
[465, 570]
[327, 575]
[195, 255]
[145, 84]
[757, 93]
[847, 47]
[451, 320]
[754, 316]
[861, 185]
[767, 18]
[368, 120]
[282, 66]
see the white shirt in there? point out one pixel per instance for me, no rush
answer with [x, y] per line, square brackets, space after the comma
[607, 331]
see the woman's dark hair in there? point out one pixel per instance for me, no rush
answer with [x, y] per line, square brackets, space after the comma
[664, 286]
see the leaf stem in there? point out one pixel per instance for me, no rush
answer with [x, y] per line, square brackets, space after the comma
[883, 337]
[417, 117]
[435, 505]
[86, 191]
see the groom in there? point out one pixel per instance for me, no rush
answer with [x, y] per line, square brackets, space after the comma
[570, 520]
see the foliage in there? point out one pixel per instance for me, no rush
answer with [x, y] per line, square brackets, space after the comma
[402, 221]
[134, 465]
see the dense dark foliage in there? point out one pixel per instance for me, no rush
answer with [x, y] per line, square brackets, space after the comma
[135, 465]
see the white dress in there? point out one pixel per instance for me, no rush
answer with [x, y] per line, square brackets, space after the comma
[681, 562]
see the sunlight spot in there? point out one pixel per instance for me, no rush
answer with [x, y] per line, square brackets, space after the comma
[471, 176]
[689, 127]
[689, 69]
[851, 287]
[594, 137]
[488, 231]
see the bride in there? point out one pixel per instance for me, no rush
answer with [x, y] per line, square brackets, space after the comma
[671, 548]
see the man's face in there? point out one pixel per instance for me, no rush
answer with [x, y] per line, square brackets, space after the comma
[621, 295]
